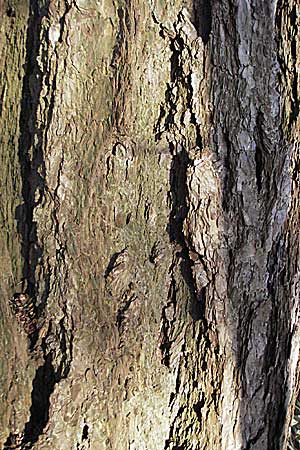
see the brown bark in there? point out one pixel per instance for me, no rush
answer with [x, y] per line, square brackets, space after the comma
[149, 215]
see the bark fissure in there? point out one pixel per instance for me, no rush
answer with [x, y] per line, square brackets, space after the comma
[31, 178]
[43, 385]
[31, 143]
[45, 380]
[179, 121]
[168, 318]
[33, 132]
[173, 121]
[203, 18]
[123, 309]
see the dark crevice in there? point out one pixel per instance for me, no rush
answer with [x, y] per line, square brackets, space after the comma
[177, 46]
[276, 412]
[33, 173]
[165, 119]
[32, 85]
[172, 398]
[170, 440]
[113, 262]
[30, 153]
[85, 432]
[179, 91]
[122, 46]
[121, 314]
[197, 407]
[154, 253]
[10, 11]
[14, 441]
[178, 188]
[62, 20]
[203, 18]
[66, 350]
[42, 387]
[193, 119]
[179, 192]
[179, 167]
[263, 165]
[258, 168]
[281, 20]
[229, 176]
[255, 439]
[167, 325]
[277, 353]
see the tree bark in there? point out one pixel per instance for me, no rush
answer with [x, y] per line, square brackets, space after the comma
[149, 215]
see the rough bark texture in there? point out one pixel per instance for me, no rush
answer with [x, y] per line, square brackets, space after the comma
[149, 212]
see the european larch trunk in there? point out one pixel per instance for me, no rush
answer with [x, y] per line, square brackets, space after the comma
[150, 224]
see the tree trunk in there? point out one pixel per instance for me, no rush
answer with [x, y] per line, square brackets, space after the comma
[149, 215]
